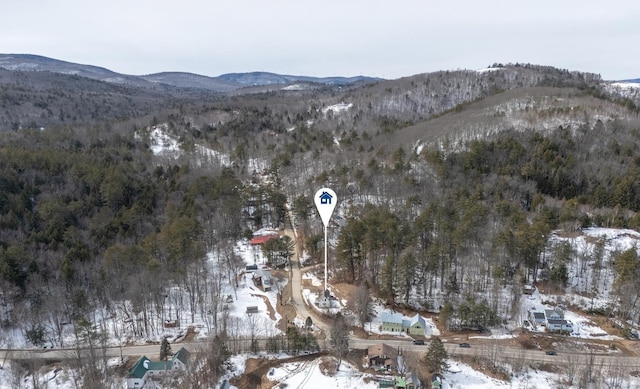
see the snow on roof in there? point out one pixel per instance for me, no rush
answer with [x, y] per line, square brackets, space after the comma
[417, 319]
[182, 355]
[391, 317]
[140, 368]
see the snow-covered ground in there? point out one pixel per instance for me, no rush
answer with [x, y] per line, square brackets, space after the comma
[163, 144]
[309, 375]
[337, 108]
[583, 327]
[589, 286]
[460, 375]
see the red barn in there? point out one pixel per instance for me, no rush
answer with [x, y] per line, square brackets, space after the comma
[261, 239]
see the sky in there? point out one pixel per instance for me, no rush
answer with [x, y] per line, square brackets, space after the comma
[379, 38]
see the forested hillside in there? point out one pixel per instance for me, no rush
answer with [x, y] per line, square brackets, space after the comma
[450, 185]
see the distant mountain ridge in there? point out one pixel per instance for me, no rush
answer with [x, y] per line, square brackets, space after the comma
[223, 83]
[266, 78]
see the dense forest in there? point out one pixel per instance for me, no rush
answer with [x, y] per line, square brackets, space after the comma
[450, 186]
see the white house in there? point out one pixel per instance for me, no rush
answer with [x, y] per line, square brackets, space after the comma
[559, 325]
[554, 314]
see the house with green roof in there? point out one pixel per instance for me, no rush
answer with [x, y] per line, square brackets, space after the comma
[395, 322]
[145, 369]
[410, 382]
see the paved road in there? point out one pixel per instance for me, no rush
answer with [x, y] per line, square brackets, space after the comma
[501, 353]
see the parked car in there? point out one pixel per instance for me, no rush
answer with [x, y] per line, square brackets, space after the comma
[550, 352]
[465, 345]
[418, 341]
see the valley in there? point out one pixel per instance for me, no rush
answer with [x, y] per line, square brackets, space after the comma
[470, 198]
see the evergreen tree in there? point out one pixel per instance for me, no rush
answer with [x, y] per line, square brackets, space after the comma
[436, 357]
[165, 349]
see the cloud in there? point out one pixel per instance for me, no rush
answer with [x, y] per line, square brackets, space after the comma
[330, 37]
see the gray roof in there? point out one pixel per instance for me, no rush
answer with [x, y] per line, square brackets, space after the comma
[418, 319]
[557, 311]
[388, 317]
[182, 355]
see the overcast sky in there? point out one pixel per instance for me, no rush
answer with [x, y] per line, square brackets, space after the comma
[389, 39]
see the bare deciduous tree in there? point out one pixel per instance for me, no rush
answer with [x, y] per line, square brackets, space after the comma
[339, 337]
[361, 303]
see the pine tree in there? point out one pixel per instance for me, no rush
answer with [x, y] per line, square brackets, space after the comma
[165, 349]
[436, 357]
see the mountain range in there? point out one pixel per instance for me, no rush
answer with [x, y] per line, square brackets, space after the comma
[223, 83]
[40, 92]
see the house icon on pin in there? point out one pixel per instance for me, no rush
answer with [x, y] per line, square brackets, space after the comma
[325, 198]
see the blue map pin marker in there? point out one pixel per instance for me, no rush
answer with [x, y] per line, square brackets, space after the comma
[326, 201]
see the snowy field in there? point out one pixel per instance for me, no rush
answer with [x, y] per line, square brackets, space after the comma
[308, 375]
